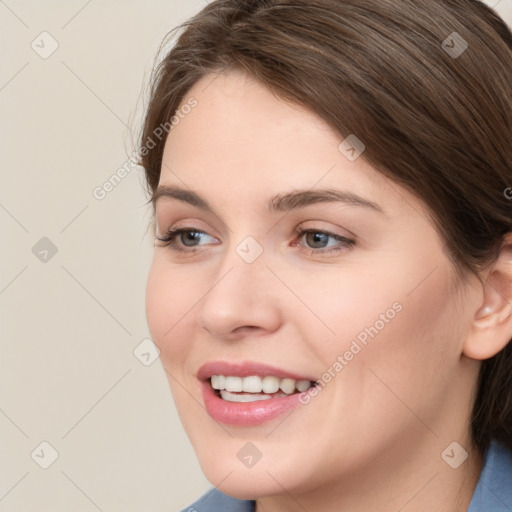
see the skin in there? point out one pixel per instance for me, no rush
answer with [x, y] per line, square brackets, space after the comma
[373, 437]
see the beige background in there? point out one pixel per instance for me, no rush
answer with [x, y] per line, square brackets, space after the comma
[70, 324]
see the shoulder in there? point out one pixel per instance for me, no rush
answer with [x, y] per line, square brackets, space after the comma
[216, 501]
[493, 492]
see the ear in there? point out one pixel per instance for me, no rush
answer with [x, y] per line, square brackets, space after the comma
[491, 328]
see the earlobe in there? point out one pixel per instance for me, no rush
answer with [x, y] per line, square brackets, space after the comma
[491, 328]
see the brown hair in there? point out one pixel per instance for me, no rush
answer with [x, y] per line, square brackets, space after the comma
[435, 122]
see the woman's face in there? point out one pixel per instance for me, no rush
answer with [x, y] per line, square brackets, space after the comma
[376, 317]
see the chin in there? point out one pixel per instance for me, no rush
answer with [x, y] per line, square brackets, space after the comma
[244, 485]
[265, 478]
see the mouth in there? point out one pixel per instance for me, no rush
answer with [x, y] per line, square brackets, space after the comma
[255, 387]
[248, 394]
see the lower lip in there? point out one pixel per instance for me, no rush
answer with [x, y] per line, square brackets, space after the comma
[246, 413]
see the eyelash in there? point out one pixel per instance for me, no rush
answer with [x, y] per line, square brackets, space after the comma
[171, 234]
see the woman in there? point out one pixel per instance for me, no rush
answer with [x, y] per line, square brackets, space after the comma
[331, 288]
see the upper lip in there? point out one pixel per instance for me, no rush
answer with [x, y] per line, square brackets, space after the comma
[246, 369]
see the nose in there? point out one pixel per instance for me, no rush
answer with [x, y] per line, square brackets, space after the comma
[241, 300]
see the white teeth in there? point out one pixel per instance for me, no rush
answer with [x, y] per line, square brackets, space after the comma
[271, 384]
[233, 383]
[230, 397]
[218, 381]
[303, 385]
[252, 384]
[255, 384]
[287, 386]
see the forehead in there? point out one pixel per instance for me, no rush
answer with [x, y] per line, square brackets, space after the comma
[234, 108]
[242, 138]
[238, 123]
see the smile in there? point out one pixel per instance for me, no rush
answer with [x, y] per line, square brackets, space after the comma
[250, 393]
[254, 387]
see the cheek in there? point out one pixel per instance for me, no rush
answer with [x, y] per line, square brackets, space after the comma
[395, 323]
[169, 299]
[345, 305]
[411, 360]
[156, 300]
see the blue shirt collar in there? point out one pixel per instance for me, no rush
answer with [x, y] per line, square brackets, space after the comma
[493, 492]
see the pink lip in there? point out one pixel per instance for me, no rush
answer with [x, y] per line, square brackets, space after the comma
[247, 413]
[246, 369]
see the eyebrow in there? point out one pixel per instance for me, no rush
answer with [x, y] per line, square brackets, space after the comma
[278, 203]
